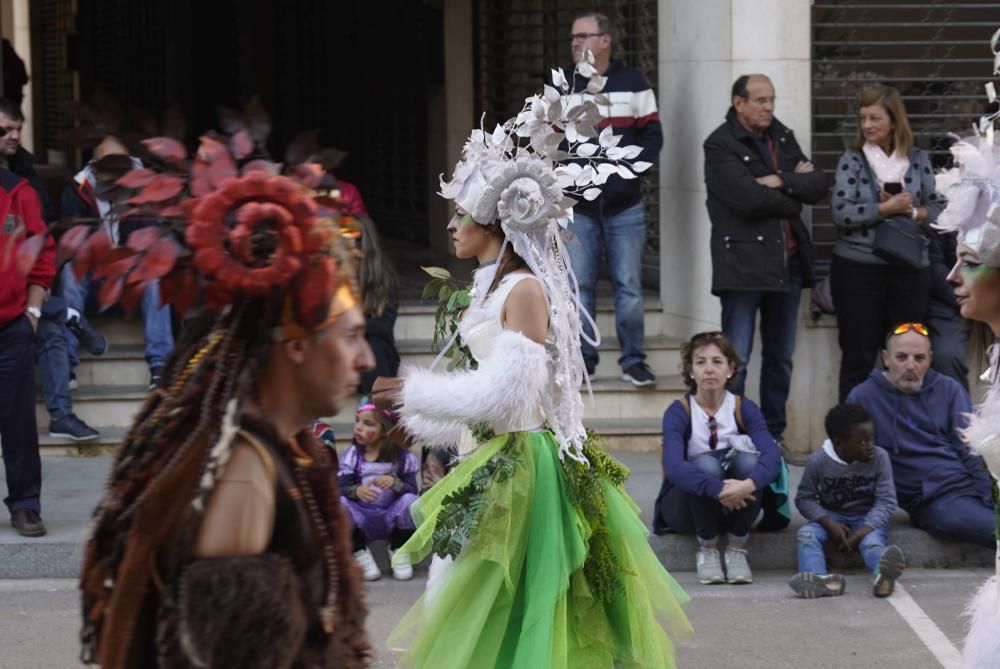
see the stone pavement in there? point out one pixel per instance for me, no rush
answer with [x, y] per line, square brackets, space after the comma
[758, 626]
[72, 486]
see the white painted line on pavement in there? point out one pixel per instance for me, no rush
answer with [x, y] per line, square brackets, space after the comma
[932, 636]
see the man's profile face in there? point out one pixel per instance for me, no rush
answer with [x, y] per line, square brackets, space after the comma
[907, 359]
[756, 112]
[335, 358]
[10, 141]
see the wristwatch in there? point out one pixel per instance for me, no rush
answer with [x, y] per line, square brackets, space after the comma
[34, 311]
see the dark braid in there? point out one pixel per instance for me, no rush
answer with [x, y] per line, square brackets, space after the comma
[217, 359]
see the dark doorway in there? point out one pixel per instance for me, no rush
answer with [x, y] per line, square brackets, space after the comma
[359, 72]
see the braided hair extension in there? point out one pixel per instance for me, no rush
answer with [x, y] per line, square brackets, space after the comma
[218, 360]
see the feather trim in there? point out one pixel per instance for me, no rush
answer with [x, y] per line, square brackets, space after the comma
[982, 643]
[510, 382]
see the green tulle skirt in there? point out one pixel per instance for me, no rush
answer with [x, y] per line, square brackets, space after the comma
[553, 567]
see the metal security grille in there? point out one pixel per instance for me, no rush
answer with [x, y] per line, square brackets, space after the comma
[519, 41]
[935, 53]
[54, 87]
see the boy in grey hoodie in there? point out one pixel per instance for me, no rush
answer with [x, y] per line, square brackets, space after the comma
[848, 497]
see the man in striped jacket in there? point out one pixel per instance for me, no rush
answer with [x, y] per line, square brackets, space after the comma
[616, 219]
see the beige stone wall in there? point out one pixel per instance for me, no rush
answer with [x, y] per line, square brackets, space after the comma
[704, 47]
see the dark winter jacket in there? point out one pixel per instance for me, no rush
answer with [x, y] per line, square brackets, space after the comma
[80, 201]
[920, 433]
[942, 251]
[635, 117]
[749, 245]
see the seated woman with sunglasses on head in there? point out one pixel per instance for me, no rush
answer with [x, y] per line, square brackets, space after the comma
[718, 457]
[919, 415]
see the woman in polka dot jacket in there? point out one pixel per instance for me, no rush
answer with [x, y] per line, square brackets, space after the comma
[882, 175]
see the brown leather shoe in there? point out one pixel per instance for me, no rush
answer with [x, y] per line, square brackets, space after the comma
[28, 523]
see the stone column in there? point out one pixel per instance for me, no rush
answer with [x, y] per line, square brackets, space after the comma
[704, 47]
[451, 117]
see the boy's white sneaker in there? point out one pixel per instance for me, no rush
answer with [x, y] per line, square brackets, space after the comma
[365, 560]
[737, 568]
[402, 570]
[710, 567]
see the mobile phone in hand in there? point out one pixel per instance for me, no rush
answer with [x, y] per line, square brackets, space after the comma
[892, 187]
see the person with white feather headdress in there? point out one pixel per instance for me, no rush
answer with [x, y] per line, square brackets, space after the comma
[552, 566]
[973, 192]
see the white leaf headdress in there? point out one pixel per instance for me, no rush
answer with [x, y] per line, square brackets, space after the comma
[972, 187]
[527, 174]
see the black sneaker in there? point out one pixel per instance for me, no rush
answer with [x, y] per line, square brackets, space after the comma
[155, 376]
[91, 339]
[890, 567]
[639, 375]
[71, 427]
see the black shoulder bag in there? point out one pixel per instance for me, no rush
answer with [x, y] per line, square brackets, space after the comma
[898, 240]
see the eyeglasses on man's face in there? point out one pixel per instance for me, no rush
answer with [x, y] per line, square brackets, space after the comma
[582, 36]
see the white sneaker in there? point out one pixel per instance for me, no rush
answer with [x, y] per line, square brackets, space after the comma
[402, 570]
[369, 570]
[737, 568]
[710, 567]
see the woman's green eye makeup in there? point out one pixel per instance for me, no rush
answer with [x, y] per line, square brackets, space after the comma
[465, 220]
[975, 270]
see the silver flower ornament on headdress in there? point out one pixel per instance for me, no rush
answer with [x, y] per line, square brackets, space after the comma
[526, 175]
[972, 187]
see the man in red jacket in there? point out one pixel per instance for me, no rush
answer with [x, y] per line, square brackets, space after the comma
[20, 308]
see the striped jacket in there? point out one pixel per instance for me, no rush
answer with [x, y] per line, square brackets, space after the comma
[634, 116]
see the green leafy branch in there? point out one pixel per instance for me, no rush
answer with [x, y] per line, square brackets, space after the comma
[453, 298]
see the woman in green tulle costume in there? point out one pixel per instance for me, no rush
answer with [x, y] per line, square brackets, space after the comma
[541, 559]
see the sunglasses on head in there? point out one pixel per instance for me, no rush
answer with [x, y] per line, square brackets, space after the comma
[919, 328]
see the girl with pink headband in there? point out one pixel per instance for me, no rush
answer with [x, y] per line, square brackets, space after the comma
[378, 482]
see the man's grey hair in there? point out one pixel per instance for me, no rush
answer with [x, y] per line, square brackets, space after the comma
[604, 24]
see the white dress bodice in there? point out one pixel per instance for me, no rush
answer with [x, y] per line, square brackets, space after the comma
[479, 329]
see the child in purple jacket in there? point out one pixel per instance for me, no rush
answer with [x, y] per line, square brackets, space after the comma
[378, 482]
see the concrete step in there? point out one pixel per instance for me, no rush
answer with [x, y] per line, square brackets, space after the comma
[108, 405]
[71, 488]
[115, 405]
[612, 399]
[122, 365]
[416, 320]
[620, 435]
[662, 354]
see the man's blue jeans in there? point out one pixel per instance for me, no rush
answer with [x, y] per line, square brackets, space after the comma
[53, 358]
[812, 536]
[623, 237]
[778, 321]
[958, 517]
[156, 319]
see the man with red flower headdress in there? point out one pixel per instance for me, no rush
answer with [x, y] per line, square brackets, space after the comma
[220, 540]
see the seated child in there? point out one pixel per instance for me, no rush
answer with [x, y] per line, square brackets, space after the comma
[378, 481]
[848, 497]
[436, 462]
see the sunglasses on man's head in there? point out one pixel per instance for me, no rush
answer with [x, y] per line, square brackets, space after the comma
[919, 328]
